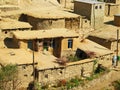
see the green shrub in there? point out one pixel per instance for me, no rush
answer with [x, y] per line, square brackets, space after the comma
[72, 58]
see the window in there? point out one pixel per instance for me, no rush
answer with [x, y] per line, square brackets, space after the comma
[6, 32]
[53, 43]
[100, 7]
[96, 7]
[70, 43]
[45, 45]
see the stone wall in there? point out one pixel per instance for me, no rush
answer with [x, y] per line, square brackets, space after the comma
[39, 24]
[25, 75]
[105, 60]
[53, 75]
[71, 23]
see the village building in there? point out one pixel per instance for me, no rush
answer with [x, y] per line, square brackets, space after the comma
[6, 27]
[59, 42]
[111, 9]
[93, 10]
[24, 61]
[69, 4]
[72, 69]
[42, 50]
[112, 1]
[106, 38]
[55, 18]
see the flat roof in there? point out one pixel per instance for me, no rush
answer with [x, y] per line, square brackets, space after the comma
[51, 14]
[40, 34]
[89, 1]
[6, 23]
[15, 56]
[90, 46]
[108, 33]
[117, 15]
[22, 56]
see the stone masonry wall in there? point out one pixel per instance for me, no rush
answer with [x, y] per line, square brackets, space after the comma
[53, 75]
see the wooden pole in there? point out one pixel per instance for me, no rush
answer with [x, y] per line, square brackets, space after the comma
[117, 46]
[33, 66]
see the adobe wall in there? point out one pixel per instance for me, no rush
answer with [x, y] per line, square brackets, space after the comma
[39, 24]
[105, 60]
[97, 15]
[101, 41]
[67, 3]
[114, 46]
[111, 9]
[25, 75]
[65, 51]
[71, 23]
[106, 43]
[54, 75]
[7, 40]
[83, 9]
[4, 42]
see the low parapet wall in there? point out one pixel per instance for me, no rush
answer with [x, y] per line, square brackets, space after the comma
[71, 70]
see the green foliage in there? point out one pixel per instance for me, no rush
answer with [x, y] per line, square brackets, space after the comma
[95, 62]
[74, 82]
[37, 86]
[116, 84]
[8, 76]
[72, 58]
[118, 58]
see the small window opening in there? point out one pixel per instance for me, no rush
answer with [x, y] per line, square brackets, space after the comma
[100, 7]
[6, 32]
[85, 21]
[70, 43]
[46, 75]
[96, 7]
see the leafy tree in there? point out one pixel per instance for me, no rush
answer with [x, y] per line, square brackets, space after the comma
[8, 77]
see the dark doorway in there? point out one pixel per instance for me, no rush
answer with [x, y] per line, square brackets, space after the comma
[10, 43]
[81, 54]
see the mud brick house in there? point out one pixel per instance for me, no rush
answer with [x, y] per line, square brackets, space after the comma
[52, 18]
[111, 9]
[6, 28]
[106, 38]
[59, 42]
[93, 10]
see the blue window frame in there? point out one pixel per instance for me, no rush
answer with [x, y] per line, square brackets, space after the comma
[70, 43]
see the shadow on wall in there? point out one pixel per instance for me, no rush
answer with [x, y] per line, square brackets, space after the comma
[109, 23]
[23, 18]
[10, 43]
[81, 54]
